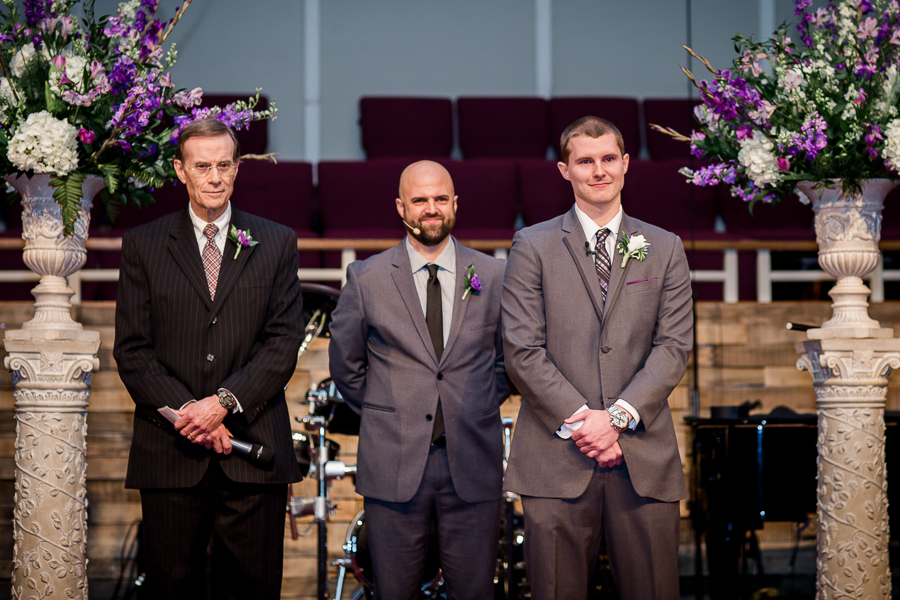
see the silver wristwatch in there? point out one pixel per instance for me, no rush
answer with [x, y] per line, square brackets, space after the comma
[226, 399]
[618, 418]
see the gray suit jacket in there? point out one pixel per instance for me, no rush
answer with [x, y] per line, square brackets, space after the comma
[565, 348]
[384, 365]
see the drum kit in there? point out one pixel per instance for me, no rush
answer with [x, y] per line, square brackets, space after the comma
[318, 459]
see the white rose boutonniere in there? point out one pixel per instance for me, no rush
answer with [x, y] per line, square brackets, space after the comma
[634, 246]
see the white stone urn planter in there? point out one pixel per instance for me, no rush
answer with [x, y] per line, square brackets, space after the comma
[51, 359]
[850, 358]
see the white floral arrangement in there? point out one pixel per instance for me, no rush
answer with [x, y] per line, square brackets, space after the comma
[44, 144]
[817, 102]
[94, 96]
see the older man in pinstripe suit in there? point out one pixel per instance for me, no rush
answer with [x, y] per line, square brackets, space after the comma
[209, 324]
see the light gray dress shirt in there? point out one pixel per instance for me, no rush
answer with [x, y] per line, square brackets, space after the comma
[446, 275]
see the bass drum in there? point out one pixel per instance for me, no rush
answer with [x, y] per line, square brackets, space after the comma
[356, 548]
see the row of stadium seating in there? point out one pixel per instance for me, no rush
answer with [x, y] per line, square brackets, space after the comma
[514, 127]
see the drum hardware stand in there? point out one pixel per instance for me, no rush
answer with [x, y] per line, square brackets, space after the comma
[325, 471]
[509, 507]
[312, 331]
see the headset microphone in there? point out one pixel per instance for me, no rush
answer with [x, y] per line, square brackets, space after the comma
[415, 230]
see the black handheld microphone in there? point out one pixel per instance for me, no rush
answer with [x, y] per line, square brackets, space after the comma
[415, 230]
[254, 452]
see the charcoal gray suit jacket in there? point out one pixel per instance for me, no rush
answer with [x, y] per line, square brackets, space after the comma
[384, 364]
[174, 344]
[565, 348]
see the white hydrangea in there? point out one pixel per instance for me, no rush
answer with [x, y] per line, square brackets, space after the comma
[759, 162]
[892, 144]
[75, 66]
[44, 144]
[23, 56]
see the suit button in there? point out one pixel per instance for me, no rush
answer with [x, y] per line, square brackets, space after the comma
[605, 349]
[210, 357]
[428, 417]
[440, 376]
[215, 320]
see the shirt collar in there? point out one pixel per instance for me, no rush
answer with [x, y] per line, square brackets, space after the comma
[590, 228]
[446, 260]
[222, 222]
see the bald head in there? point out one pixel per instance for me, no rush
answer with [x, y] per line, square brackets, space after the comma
[427, 202]
[423, 171]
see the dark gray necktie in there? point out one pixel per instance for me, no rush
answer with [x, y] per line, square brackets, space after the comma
[601, 260]
[434, 317]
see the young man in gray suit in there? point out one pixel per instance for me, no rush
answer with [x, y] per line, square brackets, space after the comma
[597, 330]
[209, 325]
[416, 350]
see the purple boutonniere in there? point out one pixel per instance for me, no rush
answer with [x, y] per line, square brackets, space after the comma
[473, 284]
[241, 239]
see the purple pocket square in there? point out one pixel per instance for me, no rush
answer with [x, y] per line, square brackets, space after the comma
[641, 280]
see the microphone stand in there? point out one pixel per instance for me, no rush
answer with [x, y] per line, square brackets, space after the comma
[322, 506]
[509, 505]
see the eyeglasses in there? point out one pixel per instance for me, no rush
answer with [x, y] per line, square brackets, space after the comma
[225, 169]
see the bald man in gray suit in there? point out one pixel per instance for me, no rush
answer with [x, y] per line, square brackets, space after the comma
[416, 350]
[596, 335]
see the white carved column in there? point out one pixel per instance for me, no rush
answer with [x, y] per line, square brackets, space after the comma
[850, 358]
[51, 359]
[850, 380]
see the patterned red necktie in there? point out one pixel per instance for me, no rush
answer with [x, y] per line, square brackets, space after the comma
[212, 259]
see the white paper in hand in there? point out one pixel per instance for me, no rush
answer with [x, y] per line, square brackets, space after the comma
[169, 413]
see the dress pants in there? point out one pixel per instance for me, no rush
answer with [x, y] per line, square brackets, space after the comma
[246, 523]
[562, 541]
[468, 538]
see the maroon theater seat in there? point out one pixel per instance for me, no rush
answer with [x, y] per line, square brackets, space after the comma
[503, 127]
[487, 204]
[357, 200]
[621, 112]
[676, 113]
[788, 220]
[406, 126]
[254, 139]
[657, 193]
[282, 193]
[11, 260]
[543, 192]
[890, 223]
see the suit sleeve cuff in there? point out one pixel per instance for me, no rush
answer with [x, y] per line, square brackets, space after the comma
[566, 430]
[636, 417]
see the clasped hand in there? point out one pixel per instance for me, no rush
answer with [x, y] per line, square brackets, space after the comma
[201, 423]
[597, 438]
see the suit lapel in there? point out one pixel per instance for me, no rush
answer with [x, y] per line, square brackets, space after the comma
[574, 241]
[184, 249]
[464, 258]
[232, 267]
[617, 274]
[403, 279]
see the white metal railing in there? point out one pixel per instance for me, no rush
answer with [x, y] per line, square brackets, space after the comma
[728, 276]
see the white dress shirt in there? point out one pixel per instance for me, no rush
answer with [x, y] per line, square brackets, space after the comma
[446, 275]
[223, 223]
[590, 233]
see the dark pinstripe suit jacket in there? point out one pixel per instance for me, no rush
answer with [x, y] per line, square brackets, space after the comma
[173, 344]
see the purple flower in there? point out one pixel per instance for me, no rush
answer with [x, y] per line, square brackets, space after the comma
[811, 140]
[744, 133]
[783, 163]
[242, 238]
[873, 136]
[87, 136]
[475, 283]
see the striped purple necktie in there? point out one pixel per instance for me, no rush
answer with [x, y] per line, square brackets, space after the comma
[601, 260]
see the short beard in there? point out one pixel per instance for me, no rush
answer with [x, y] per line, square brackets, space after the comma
[437, 233]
